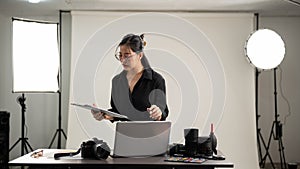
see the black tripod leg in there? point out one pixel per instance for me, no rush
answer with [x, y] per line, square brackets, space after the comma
[284, 159]
[281, 153]
[25, 147]
[64, 134]
[27, 143]
[265, 157]
[268, 146]
[58, 131]
[259, 147]
[53, 139]
[15, 144]
[262, 159]
[285, 166]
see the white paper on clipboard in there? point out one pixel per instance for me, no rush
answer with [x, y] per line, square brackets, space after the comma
[89, 107]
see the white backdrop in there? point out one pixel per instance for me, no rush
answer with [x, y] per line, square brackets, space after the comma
[202, 59]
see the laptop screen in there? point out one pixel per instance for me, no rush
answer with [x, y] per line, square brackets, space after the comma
[141, 138]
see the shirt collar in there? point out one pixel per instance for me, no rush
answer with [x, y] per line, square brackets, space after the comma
[147, 74]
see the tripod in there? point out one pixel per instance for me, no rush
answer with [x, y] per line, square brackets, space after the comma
[59, 131]
[278, 132]
[259, 136]
[23, 139]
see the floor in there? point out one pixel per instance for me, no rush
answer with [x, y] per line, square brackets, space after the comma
[277, 166]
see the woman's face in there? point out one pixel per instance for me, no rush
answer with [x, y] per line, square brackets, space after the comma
[128, 58]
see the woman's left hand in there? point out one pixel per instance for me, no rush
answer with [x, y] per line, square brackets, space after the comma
[155, 112]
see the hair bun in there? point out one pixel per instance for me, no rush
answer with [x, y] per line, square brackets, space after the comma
[142, 38]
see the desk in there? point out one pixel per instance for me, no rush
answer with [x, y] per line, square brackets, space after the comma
[47, 160]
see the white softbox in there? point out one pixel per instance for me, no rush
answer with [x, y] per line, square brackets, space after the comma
[35, 56]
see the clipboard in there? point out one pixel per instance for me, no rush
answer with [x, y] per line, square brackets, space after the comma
[89, 107]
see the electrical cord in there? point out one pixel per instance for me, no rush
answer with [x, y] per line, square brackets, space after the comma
[284, 97]
[26, 129]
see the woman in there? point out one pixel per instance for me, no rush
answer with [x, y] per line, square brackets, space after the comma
[138, 91]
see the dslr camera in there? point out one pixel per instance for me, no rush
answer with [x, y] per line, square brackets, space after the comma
[96, 149]
[91, 149]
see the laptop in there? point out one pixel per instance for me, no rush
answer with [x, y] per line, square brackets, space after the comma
[141, 138]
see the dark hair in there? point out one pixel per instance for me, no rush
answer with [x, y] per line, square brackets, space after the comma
[135, 42]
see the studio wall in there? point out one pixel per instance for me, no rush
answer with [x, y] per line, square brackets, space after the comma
[201, 56]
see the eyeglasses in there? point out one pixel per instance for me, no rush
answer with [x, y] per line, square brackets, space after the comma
[119, 56]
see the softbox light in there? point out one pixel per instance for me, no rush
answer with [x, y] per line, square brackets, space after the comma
[265, 49]
[35, 56]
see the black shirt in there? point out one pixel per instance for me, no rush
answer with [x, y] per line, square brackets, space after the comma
[149, 90]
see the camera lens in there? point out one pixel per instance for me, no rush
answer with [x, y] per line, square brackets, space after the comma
[191, 141]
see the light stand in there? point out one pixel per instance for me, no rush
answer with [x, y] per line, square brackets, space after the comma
[22, 139]
[277, 126]
[265, 49]
[259, 136]
[34, 69]
[59, 130]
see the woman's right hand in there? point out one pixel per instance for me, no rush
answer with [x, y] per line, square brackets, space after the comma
[98, 115]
